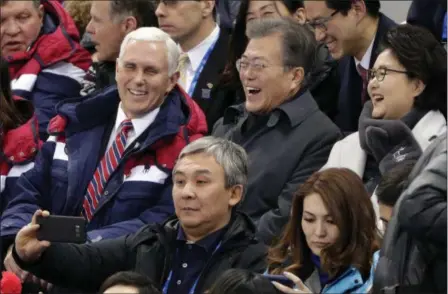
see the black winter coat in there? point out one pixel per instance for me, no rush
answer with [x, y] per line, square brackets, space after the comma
[413, 256]
[150, 252]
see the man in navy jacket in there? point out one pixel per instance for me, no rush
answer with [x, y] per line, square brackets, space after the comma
[352, 31]
[137, 188]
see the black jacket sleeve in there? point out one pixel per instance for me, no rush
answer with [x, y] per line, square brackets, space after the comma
[81, 267]
[423, 211]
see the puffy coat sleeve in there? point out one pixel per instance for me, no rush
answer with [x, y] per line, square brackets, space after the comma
[31, 193]
[423, 211]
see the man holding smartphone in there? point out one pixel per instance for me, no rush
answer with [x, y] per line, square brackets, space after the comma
[185, 255]
[109, 157]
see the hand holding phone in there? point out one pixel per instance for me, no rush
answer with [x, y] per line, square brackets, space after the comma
[293, 284]
[61, 229]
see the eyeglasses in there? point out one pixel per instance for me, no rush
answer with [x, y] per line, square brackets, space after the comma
[257, 66]
[381, 72]
[321, 23]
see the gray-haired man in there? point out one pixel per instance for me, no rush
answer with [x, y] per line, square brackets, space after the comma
[184, 255]
[280, 126]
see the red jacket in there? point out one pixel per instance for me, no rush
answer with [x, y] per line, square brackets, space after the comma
[54, 66]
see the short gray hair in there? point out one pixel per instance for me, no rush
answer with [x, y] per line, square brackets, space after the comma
[299, 44]
[230, 156]
[154, 34]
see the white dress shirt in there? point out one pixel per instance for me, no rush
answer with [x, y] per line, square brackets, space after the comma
[365, 61]
[139, 125]
[196, 55]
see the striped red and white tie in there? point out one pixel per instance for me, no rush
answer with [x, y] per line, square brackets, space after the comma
[106, 167]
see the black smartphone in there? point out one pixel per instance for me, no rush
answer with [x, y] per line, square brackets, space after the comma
[61, 229]
[280, 279]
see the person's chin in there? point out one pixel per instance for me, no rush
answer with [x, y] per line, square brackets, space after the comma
[316, 251]
[378, 114]
[252, 107]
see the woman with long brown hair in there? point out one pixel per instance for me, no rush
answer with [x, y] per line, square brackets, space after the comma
[331, 240]
[19, 137]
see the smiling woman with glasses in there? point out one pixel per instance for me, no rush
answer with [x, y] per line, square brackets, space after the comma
[406, 110]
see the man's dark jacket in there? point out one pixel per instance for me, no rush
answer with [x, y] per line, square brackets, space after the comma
[285, 147]
[150, 252]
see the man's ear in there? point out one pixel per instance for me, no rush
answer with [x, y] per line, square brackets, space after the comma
[117, 64]
[207, 7]
[298, 76]
[173, 81]
[359, 9]
[236, 195]
[300, 16]
[41, 12]
[130, 24]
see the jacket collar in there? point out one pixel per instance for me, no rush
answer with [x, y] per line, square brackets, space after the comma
[20, 145]
[295, 110]
[240, 227]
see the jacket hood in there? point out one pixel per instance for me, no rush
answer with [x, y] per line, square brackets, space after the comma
[323, 65]
[20, 145]
[197, 124]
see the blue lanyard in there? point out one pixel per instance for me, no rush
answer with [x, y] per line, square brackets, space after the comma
[200, 68]
[193, 288]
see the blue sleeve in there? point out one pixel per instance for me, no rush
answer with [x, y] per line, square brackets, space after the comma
[156, 214]
[31, 193]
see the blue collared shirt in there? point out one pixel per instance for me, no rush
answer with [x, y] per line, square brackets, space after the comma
[191, 259]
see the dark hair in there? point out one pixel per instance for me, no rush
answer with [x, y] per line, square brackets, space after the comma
[144, 11]
[343, 6]
[239, 281]
[424, 58]
[10, 115]
[238, 41]
[132, 279]
[393, 183]
[348, 203]
[299, 45]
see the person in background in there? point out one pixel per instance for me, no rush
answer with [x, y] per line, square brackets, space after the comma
[413, 255]
[79, 10]
[204, 48]
[19, 138]
[238, 281]
[330, 244]
[392, 184]
[407, 109]
[121, 180]
[278, 108]
[46, 62]
[227, 11]
[323, 80]
[352, 30]
[110, 22]
[128, 283]
[186, 254]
